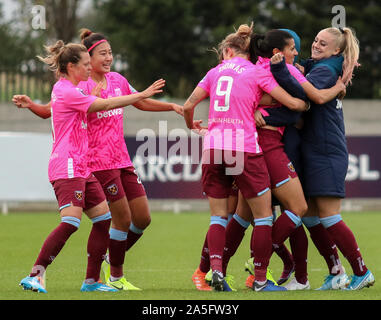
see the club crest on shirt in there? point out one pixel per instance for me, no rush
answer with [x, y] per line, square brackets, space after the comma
[118, 92]
[112, 189]
[78, 195]
[291, 167]
[81, 92]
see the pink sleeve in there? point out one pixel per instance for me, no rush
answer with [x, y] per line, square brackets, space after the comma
[127, 87]
[265, 80]
[84, 85]
[296, 73]
[77, 100]
[205, 83]
[123, 82]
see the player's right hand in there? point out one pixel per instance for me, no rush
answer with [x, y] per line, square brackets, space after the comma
[97, 90]
[22, 101]
[299, 67]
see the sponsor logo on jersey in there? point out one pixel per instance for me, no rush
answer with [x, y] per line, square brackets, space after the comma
[110, 113]
[339, 104]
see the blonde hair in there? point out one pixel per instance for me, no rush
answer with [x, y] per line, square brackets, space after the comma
[239, 41]
[59, 55]
[349, 47]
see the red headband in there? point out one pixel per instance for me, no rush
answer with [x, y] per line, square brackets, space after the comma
[95, 44]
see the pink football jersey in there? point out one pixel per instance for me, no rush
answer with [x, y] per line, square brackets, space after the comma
[69, 128]
[107, 147]
[235, 88]
[265, 64]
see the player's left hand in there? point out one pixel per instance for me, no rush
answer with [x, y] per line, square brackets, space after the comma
[343, 87]
[197, 125]
[259, 121]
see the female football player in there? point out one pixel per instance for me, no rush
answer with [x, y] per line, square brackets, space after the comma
[334, 53]
[231, 151]
[75, 187]
[109, 159]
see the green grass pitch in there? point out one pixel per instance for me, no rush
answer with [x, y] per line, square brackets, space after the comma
[163, 261]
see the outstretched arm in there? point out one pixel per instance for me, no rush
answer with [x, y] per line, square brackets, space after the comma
[24, 101]
[122, 101]
[156, 105]
[324, 95]
[283, 76]
[295, 104]
[280, 117]
[305, 90]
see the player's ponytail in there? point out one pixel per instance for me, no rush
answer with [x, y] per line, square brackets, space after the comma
[84, 33]
[91, 39]
[59, 55]
[263, 45]
[239, 41]
[349, 48]
[244, 33]
[351, 55]
[258, 47]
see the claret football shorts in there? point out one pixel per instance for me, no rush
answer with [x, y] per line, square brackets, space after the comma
[80, 192]
[220, 169]
[117, 183]
[279, 166]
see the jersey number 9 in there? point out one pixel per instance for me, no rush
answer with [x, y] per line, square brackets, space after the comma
[227, 83]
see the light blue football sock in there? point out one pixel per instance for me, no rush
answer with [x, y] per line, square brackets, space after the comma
[268, 221]
[245, 224]
[117, 234]
[135, 229]
[103, 217]
[71, 220]
[331, 220]
[310, 222]
[218, 220]
[294, 218]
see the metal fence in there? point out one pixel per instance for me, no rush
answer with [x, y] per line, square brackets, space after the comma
[35, 84]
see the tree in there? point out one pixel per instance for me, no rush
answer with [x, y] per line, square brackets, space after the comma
[308, 17]
[62, 16]
[10, 49]
[155, 37]
[173, 38]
